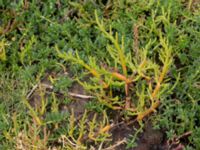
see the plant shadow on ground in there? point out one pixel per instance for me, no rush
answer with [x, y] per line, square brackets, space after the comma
[55, 92]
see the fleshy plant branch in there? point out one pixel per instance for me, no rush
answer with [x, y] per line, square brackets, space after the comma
[166, 59]
[144, 72]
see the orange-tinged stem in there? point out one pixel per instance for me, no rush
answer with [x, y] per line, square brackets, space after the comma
[94, 73]
[148, 111]
[105, 85]
[155, 92]
[160, 80]
[121, 77]
[126, 89]
[157, 88]
[105, 129]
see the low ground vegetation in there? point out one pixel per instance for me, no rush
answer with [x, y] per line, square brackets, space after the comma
[100, 74]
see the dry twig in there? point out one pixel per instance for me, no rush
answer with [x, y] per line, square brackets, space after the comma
[116, 145]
